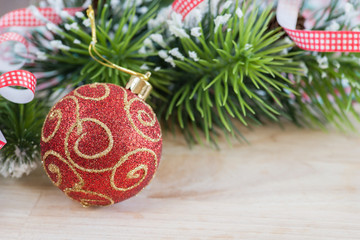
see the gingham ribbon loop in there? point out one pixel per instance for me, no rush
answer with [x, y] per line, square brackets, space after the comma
[319, 41]
[183, 7]
[11, 36]
[326, 41]
[24, 17]
[17, 78]
[2, 140]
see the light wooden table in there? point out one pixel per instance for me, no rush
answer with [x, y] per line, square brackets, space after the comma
[292, 184]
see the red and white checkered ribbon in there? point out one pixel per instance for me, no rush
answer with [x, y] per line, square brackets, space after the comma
[17, 78]
[2, 140]
[25, 18]
[11, 36]
[20, 78]
[326, 41]
[319, 41]
[185, 6]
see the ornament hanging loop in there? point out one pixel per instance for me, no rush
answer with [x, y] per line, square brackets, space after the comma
[138, 82]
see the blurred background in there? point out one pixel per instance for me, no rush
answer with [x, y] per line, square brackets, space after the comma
[6, 5]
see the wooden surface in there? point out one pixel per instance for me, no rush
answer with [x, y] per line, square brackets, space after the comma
[292, 184]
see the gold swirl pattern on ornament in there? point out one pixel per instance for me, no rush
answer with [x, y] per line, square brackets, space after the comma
[78, 126]
[94, 85]
[54, 114]
[98, 155]
[145, 123]
[127, 108]
[87, 202]
[134, 172]
[77, 112]
[55, 169]
[76, 146]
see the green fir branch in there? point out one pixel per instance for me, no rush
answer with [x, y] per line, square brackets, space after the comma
[119, 40]
[239, 75]
[21, 125]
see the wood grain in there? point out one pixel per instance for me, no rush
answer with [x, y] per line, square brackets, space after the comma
[292, 184]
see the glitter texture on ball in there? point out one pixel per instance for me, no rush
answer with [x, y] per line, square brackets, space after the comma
[101, 144]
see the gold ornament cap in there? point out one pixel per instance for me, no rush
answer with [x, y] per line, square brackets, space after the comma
[139, 86]
[138, 82]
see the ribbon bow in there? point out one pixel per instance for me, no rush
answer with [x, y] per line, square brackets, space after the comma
[26, 17]
[16, 78]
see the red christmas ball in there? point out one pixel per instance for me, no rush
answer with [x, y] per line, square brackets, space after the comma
[101, 144]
